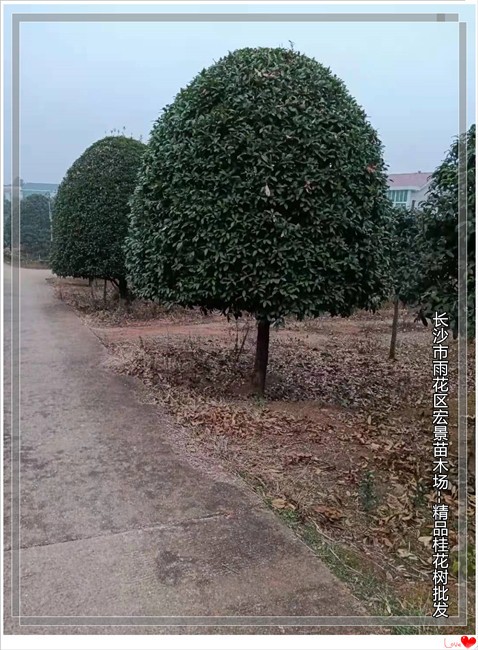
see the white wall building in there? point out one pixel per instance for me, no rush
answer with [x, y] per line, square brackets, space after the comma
[408, 190]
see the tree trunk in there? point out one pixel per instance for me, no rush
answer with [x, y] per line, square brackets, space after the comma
[123, 291]
[393, 342]
[104, 292]
[262, 356]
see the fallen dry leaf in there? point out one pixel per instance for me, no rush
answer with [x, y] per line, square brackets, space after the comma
[279, 504]
[328, 513]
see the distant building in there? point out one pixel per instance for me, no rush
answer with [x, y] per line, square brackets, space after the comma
[27, 189]
[47, 189]
[408, 190]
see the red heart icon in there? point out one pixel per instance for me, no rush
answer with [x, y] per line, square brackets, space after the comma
[468, 641]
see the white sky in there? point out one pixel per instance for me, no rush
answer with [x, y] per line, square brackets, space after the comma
[80, 80]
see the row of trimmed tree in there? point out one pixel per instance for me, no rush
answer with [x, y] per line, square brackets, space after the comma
[262, 189]
[425, 243]
[35, 227]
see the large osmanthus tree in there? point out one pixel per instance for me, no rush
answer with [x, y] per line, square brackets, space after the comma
[91, 211]
[263, 190]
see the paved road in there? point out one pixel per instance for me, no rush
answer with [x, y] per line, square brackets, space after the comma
[116, 521]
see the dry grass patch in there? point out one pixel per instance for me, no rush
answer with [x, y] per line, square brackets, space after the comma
[341, 446]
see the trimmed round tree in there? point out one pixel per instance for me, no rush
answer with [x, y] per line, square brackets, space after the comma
[91, 211]
[263, 191]
[35, 226]
[439, 278]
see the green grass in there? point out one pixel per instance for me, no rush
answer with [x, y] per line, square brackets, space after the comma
[259, 401]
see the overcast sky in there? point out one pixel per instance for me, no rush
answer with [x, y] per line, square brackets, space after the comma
[81, 80]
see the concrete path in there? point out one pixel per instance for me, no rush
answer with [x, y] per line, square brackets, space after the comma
[116, 521]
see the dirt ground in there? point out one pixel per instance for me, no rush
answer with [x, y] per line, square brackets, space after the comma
[341, 445]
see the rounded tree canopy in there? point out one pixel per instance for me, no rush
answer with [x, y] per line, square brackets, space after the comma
[451, 188]
[91, 211]
[262, 190]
